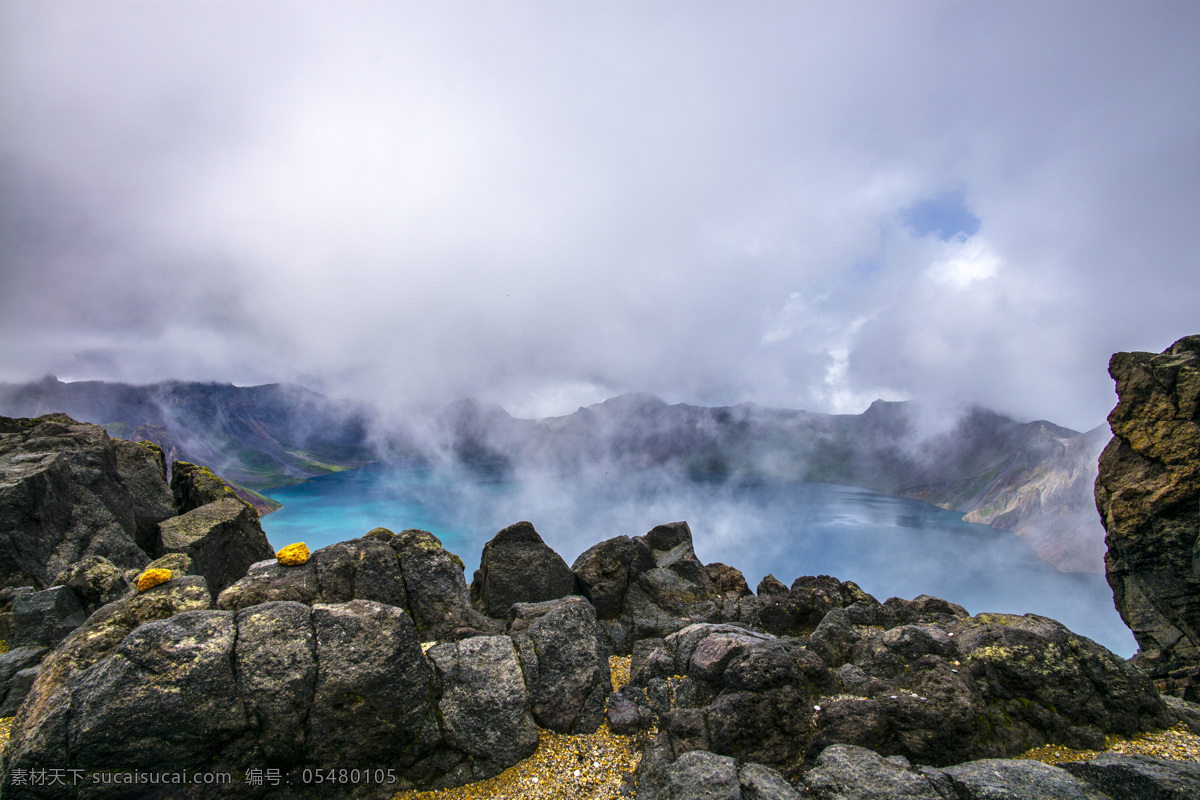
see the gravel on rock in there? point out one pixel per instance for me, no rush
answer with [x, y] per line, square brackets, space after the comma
[1176, 744]
[596, 766]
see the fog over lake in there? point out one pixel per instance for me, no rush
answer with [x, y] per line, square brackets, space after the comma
[890, 546]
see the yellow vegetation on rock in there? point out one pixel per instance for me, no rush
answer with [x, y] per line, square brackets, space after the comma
[293, 555]
[153, 577]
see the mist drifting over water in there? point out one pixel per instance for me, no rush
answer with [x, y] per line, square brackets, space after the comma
[890, 546]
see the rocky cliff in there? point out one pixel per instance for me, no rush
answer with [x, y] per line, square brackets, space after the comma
[1148, 495]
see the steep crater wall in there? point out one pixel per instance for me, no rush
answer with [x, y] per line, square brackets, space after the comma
[1148, 496]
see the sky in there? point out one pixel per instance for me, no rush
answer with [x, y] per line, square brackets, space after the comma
[804, 205]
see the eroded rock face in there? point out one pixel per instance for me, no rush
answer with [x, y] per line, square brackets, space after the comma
[1148, 495]
[193, 486]
[518, 567]
[438, 596]
[410, 570]
[654, 585]
[565, 663]
[144, 468]
[62, 497]
[279, 685]
[222, 538]
[940, 690]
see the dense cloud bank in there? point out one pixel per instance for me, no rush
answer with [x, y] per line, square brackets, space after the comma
[801, 205]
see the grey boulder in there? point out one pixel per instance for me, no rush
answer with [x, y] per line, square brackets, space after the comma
[483, 705]
[518, 567]
[223, 539]
[45, 618]
[95, 581]
[438, 596]
[1139, 777]
[565, 663]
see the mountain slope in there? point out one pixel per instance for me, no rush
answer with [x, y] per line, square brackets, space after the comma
[258, 436]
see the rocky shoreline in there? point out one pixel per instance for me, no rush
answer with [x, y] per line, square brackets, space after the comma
[371, 666]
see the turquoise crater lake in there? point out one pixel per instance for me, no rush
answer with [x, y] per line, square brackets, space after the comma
[890, 546]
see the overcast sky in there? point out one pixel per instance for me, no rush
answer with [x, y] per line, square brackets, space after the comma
[806, 205]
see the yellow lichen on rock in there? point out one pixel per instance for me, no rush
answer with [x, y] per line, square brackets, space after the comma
[153, 577]
[293, 555]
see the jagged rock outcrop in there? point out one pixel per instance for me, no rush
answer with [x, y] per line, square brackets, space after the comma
[518, 567]
[282, 685]
[86, 513]
[411, 571]
[193, 486]
[222, 538]
[1148, 495]
[63, 497]
[653, 585]
[940, 690]
[144, 468]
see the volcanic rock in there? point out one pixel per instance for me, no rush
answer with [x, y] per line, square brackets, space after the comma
[281, 685]
[483, 705]
[193, 486]
[62, 497]
[1139, 777]
[45, 618]
[223, 539]
[564, 659]
[438, 596]
[144, 469]
[1148, 495]
[518, 567]
[94, 580]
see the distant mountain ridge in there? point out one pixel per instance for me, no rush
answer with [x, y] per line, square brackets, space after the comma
[257, 436]
[1034, 479]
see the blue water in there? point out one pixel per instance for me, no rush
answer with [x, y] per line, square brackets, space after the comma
[890, 546]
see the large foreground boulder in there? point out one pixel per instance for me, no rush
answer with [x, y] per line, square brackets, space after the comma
[518, 567]
[1148, 495]
[278, 686]
[565, 662]
[484, 708]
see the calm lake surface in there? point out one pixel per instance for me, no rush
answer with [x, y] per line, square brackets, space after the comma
[889, 546]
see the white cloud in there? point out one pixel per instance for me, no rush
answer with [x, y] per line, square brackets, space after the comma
[430, 200]
[966, 262]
